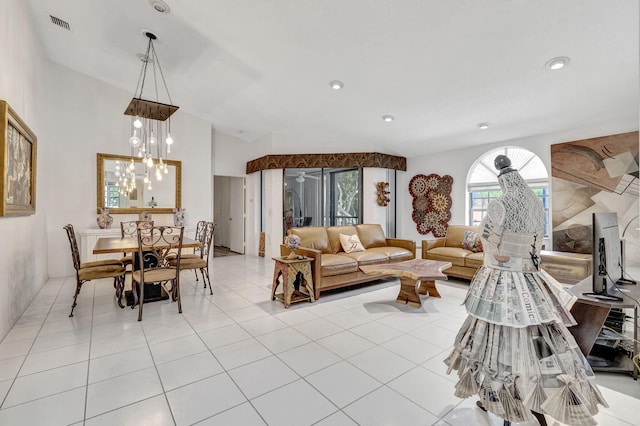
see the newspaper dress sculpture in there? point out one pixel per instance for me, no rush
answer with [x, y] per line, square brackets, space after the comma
[514, 350]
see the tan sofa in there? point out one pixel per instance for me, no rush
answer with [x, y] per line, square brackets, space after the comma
[333, 268]
[449, 249]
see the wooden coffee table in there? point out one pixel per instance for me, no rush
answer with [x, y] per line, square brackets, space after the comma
[412, 272]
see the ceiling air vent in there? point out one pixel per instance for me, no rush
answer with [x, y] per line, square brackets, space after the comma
[59, 22]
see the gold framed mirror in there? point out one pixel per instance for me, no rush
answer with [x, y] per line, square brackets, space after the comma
[163, 197]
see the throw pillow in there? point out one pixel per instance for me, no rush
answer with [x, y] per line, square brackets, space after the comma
[350, 243]
[472, 241]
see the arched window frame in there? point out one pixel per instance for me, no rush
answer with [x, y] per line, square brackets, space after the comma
[483, 187]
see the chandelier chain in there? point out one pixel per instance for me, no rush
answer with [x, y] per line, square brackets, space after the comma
[143, 70]
[164, 82]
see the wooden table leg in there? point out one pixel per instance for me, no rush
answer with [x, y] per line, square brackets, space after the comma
[308, 280]
[408, 294]
[277, 271]
[428, 287]
[289, 285]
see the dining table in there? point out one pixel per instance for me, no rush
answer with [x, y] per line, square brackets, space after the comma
[113, 245]
[108, 245]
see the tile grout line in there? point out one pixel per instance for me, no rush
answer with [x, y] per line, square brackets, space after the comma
[86, 388]
[32, 344]
[155, 366]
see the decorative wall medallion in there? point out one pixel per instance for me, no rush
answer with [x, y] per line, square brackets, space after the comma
[431, 203]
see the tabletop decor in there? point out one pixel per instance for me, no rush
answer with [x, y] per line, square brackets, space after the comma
[145, 215]
[178, 217]
[292, 242]
[431, 203]
[104, 219]
[17, 164]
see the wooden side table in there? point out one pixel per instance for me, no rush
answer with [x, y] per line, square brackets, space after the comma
[295, 273]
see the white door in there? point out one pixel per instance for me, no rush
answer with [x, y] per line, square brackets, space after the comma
[237, 215]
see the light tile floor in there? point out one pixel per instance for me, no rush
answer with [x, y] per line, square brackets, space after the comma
[237, 358]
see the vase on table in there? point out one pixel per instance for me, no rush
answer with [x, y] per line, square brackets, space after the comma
[178, 217]
[145, 216]
[104, 219]
[292, 242]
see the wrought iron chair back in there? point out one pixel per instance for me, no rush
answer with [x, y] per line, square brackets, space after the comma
[156, 245]
[110, 268]
[130, 229]
[75, 253]
[200, 229]
[200, 261]
[207, 240]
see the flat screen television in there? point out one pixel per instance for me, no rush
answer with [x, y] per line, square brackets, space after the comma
[608, 258]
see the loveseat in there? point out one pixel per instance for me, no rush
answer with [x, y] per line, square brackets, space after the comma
[465, 255]
[332, 267]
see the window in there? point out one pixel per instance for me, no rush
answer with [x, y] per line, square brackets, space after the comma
[342, 195]
[113, 196]
[322, 197]
[483, 187]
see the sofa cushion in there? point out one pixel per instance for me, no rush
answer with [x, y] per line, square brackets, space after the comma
[472, 241]
[367, 257]
[395, 254]
[334, 236]
[455, 235]
[474, 260]
[313, 237]
[371, 235]
[334, 264]
[455, 255]
[350, 243]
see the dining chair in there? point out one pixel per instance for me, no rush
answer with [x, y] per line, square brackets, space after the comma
[129, 229]
[155, 244]
[87, 271]
[200, 260]
[200, 228]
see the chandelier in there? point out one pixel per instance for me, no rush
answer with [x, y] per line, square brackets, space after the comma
[150, 139]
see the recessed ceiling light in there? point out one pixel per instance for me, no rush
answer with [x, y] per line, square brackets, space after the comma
[484, 125]
[160, 6]
[557, 63]
[388, 118]
[336, 84]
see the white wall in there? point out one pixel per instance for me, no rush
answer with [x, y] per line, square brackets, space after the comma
[23, 251]
[84, 117]
[229, 158]
[457, 164]
[372, 212]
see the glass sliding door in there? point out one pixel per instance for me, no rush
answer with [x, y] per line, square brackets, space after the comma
[321, 197]
[342, 197]
[302, 198]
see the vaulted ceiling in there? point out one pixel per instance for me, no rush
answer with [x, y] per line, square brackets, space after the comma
[255, 68]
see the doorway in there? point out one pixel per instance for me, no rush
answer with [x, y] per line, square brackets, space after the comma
[229, 215]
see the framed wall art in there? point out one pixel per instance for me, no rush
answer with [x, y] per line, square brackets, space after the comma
[17, 164]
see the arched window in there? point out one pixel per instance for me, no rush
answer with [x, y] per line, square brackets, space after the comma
[482, 181]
